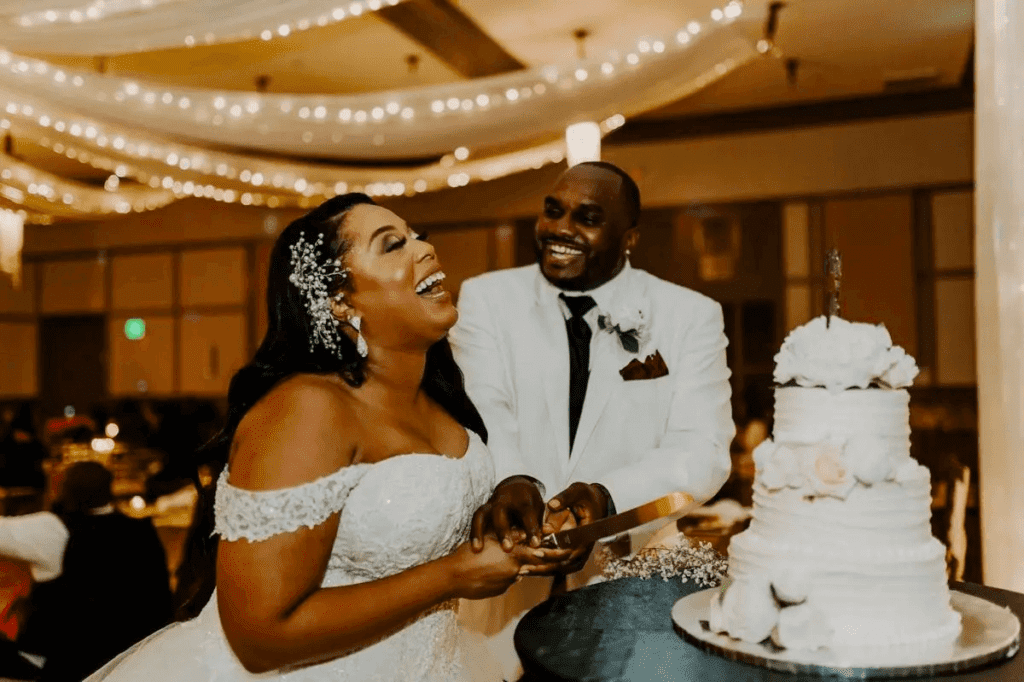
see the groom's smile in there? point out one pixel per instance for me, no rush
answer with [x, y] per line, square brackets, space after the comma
[561, 255]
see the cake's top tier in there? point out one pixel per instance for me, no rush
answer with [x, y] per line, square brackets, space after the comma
[842, 355]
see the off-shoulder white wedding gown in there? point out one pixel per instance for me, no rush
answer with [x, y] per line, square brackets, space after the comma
[395, 514]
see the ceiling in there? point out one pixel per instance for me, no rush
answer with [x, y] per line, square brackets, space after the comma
[836, 49]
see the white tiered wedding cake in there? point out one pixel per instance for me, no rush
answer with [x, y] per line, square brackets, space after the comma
[839, 552]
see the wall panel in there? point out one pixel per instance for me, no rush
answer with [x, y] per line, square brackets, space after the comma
[213, 348]
[142, 281]
[19, 362]
[21, 300]
[954, 323]
[145, 365]
[874, 238]
[213, 277]
[953, 229]
[74, 286]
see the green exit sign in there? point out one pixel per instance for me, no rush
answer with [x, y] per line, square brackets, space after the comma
[135, 329]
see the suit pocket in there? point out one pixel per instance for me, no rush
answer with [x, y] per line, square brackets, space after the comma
[647, 402]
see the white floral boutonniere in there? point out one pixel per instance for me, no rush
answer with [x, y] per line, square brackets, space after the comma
[628, 324]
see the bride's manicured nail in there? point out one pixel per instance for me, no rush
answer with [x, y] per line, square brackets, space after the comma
[524, 570]
[554, 504]
[538, 553]
[507, 544]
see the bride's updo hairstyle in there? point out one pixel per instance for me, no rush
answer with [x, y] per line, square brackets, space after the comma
[290, 347]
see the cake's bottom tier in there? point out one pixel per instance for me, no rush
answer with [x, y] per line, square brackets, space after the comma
[805, 600]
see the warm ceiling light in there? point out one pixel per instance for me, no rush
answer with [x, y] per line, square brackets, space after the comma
[583, 142]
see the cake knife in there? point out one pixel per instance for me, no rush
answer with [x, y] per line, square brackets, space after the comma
[674, 504]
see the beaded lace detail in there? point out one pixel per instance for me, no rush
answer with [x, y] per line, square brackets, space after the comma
[259, 514]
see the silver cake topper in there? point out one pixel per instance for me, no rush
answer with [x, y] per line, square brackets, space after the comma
[834, 276]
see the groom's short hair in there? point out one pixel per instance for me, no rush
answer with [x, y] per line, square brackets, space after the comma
[630, 191]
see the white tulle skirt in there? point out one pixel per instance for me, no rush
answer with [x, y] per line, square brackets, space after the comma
[432, 649]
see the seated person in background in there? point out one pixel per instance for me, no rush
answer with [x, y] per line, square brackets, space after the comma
[31, 552]
[114, 589]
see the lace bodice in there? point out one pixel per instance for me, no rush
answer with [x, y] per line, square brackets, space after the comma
[394, 514]
[397, 513]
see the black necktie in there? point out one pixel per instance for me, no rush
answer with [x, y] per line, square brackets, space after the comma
[579, 357]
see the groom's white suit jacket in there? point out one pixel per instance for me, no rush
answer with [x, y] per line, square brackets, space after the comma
[640, 439]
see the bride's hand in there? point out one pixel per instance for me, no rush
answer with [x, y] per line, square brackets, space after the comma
[490, 570]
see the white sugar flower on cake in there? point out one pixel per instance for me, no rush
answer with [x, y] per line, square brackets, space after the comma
[871, 458]
[902, 372]
[841, 355]
[830, 468]
[826, 471]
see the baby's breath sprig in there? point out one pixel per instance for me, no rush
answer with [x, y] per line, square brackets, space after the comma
[700, 563]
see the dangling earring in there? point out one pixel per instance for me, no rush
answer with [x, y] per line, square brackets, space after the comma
[361, 348]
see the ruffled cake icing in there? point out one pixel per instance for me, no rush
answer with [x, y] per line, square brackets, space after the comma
[839, 552]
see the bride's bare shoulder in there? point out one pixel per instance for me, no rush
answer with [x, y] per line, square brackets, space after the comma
[302, 429]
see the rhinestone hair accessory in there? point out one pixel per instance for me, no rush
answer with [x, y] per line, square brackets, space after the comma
[313, 278]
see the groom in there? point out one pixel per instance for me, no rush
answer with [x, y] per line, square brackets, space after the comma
[593, 378]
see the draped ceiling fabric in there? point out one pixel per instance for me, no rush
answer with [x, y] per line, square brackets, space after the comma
[498, 111]
[109, 27]
[286, 149]
[11, 237]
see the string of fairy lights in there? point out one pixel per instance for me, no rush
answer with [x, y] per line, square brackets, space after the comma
[42, 192]
[501, 125]
[216, 175]
[109, 27]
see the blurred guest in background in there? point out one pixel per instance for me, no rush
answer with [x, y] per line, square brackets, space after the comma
[135, 422]
[114, 589]
[31, 552]
[22, 453]
[183, 427]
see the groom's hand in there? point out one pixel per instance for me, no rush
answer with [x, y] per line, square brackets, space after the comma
[586, 502]
[577, 505]
[513, 513]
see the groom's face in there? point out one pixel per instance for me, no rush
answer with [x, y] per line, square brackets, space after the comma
[584, 230]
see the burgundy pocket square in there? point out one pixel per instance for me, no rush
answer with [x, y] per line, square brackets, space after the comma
[651, 368]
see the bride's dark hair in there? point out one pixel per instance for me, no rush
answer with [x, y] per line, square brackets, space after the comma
[286, 349]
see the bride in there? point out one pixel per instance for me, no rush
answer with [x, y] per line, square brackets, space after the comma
[354, 463]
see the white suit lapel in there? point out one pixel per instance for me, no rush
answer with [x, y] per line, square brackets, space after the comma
[553, 345]
[608, 358]
[604, 379]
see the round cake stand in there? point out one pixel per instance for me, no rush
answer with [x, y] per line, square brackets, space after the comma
[990, 634]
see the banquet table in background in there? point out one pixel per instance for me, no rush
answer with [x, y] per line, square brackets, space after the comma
[623, 630]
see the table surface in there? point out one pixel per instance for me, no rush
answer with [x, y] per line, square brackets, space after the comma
[623, 630]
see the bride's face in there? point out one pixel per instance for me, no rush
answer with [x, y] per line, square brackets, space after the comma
[396, 281]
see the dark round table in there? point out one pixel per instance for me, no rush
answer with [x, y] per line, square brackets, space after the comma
[623, 630]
